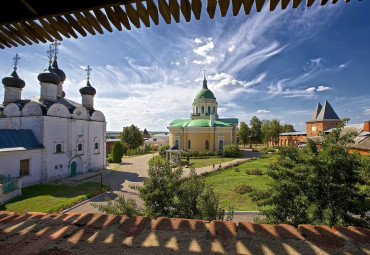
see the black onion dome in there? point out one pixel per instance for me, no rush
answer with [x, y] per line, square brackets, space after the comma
[58, 71]
[88, 89]
[63, 94]
[49, 76]
[14, 81]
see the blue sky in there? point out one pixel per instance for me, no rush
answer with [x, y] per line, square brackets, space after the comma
[270, 64]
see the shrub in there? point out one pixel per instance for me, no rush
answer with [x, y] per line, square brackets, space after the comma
[120, 207]
[242, 189]
[162, 150]
[110, 160]
[253, 172]
[267, 149]
[117, 152]
[264, 156]
[231, 151]
[236, 169]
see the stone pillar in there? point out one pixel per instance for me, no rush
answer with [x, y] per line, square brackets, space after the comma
[88, 101]
[12, 94]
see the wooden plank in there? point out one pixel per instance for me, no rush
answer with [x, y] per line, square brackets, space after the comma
[51, 30]
[247, 6]
[31, 31]
[11, 35]
[93, 22]
[196, 6]
[309, 2]
[40, 30]
[18, 34]
[25, 33]
[284, 4]
[153, 11]
[7, 41]
[296, 3]
[211, 8]
[112, 16]
[334, 1]
[175, 10]
[323, 2]
[236, 4]
[57, 27]
[132, 15]
[224, 7]
[165, 11]
[66, 26]
[259, 5]
[143, 13]
[2, 46]
[186, 10]
[85, 24]
[273, 4]
[122, 16]
[73, 22]
[100, 16]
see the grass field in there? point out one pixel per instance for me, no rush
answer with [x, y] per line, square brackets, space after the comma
[51, 198]
[224, 182]
[202, 162]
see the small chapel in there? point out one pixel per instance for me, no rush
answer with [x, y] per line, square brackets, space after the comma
[49, 137]
[204, 131]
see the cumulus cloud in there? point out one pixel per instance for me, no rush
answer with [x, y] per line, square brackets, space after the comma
[198, 40]
[262, 111]
[322, 88]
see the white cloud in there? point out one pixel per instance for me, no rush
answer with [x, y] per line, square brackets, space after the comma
[262, 111]
[202, 50]
[311, 89]
[322, 88]
[367, 111]
[342, 66]
[198, 40]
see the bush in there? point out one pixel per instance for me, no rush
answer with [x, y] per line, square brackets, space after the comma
[110, 160]
[119, 207]
[162, 150]
[242, 189]
[117, 152]
[253, 172]
[264, 156]
[267, 149]
[231, 151]
[236, 169]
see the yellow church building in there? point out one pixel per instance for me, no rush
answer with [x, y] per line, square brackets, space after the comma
[204, 131]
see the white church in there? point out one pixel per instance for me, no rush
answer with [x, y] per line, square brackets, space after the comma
[49, 137]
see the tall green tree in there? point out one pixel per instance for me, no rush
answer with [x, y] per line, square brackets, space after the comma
[131, 137]
[266, 131]
[255, 129]
[316, 185]
[117, 152]
[244, 133]
[275, 131]
[287, 128]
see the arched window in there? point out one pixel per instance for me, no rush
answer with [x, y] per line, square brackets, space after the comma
[96, 145]
[58, 148]
[189, 144]
[207, 145]
[220, 144]
[80, 146]
[58, 145]
[196, 110]
[202, 109]
[209, 109]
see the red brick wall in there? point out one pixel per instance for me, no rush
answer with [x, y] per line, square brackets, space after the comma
[367, 126]
[320, 126]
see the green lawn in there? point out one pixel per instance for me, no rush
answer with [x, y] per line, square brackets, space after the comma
[51, 198]
[202, 162]
[224, 182]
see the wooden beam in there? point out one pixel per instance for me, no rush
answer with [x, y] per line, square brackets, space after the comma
[259, 5]
[73, 22]
[122, 16]
[7, 41]
[309, 2]
[51, 30]
[58, 27]
[334, 1]
[323, 2]
[143, 13]
[165, 11]
[85, 24]
[224, 7]
[112, 16]
[247, 6]
[296, 3]
[102, 19]
[236, 4]
[66, 26]
[211, 8]
[175, 10]
[11, 35]
[1, 46]
[40, 30]
[186, 10]
[273, 4]
[31, 31]
[93, 22]
[25, 32]
[196, 6]
[284, 4]
[18, 34]
[132, 15]
[153, 11]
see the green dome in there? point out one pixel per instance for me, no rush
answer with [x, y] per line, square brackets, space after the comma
[206, 93]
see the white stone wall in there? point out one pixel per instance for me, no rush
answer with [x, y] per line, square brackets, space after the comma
[88, 101]
[12, 94]
[10, 165]
[48, 91]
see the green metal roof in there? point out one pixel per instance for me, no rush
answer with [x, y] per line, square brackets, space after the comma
[198, 123]
[206, 93]
[230, 120]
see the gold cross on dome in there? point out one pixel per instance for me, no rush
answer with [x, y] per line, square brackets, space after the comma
[88, 71]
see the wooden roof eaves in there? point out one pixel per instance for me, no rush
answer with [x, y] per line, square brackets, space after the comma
[102, 19]
[76, 26]
[12, 36]
[50, 29]
[122, 16]
[113, 18]
[84, 23]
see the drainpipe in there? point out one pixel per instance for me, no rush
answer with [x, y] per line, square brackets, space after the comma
[183, 139]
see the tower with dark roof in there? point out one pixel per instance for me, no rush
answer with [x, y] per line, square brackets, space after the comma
[88, 92]
[13, 85]
[322, 119]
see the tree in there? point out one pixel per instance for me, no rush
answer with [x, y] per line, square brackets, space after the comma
[119, 207]
[287, 128]
[316, 185]
[244, 133]
[131, 136]
[117, 152]
[275, 131]
[266, 131]
[255, 129]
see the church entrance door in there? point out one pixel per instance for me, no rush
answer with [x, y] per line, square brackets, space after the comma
[73, 168]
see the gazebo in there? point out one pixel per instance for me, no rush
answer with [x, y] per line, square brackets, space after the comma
[173, 154]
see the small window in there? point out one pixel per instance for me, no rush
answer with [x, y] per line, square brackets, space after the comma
[209, 109]
[313, 128]
[202, 109]
[58, 148]
[24, 167]
[79, 147]
[96, 146]
[196, 110]
[56, 166]
[207, 145]
[189, 144]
